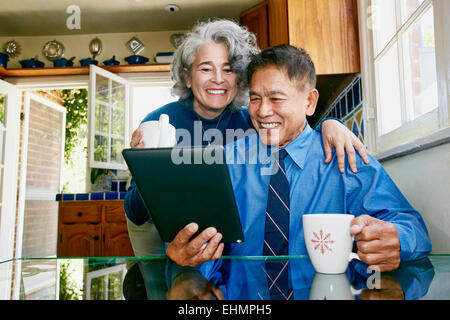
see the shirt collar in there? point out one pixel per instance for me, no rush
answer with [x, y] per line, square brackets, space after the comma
[298, 148]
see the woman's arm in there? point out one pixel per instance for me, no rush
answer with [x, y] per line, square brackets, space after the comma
[336, 135]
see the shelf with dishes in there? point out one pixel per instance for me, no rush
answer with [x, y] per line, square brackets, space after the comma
[62, 71]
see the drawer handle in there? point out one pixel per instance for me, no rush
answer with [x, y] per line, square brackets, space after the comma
[96, 238]
[80, 213]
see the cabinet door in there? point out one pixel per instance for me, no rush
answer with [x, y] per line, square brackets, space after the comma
[328, 31]
[255, 19]
[278, 22]
[80, 240]
[117, 242]
[116, 239]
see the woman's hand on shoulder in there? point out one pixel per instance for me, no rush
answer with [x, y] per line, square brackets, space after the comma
[336, 135]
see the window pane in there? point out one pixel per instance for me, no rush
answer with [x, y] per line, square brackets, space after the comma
[420, 67]
[117, 145]
[384, 23]
[100, 148]
[101, 118]
[388, 91]
[408, 7]
[148, 98]
[115, 286]
[118, 110]
[102, 89]
[98, 288]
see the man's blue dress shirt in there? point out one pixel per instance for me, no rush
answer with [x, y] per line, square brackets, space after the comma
[316, 187]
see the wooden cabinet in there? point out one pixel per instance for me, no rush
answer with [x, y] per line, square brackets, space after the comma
[93, 229]
[326, 29]
[256, 20]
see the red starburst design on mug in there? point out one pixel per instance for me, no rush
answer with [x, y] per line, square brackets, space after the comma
[323, 241]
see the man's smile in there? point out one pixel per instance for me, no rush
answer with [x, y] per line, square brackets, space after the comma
[270, 125]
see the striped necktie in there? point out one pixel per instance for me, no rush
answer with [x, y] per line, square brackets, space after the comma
[276, 232]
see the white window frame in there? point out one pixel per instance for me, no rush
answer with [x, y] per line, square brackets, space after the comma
[100, 274]
[428, 129]
[93, 71]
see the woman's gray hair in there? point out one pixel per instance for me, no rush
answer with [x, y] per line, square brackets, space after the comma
[241, 44]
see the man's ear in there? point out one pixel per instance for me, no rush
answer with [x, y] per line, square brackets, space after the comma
[312, 98]
[187, 77]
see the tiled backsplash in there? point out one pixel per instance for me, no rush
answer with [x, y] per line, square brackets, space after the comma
[349, 108]
[118, 186]
[91, 196]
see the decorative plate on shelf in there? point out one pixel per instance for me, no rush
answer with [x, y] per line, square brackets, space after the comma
[135, 45]
[12, 48]
[53, 50]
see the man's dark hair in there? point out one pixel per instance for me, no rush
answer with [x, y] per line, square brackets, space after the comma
[296, 62]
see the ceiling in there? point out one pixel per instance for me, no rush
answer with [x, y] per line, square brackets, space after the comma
[49, 17]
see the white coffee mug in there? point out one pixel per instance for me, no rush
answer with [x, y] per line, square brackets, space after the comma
[158, 134]
[328, 241]
[332, 287]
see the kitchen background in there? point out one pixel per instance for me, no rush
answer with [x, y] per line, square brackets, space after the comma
[418, 162]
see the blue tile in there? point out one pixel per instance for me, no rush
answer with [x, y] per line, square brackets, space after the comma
[111, 195]
[356, 93]
[97, 196]
[337, 109]
[122, 186]
[58, 197]
[114, 186]
[350, 104]
[68, 196]
[122, 195]
[355, 128]
[82, 196]
[361, 129]
[343, 104]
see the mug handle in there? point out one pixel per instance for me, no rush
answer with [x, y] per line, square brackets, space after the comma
[352, 256]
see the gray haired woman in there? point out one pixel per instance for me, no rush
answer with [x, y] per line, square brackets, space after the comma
[209, 74]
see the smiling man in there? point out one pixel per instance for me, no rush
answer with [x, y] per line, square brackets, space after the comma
[271, 202]
[282, 94]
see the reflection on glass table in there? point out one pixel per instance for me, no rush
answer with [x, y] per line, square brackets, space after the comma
[233, 278]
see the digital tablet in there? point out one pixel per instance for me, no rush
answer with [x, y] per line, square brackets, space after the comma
[181, 185]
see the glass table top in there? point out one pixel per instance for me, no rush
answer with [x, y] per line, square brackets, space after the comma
[232, 278]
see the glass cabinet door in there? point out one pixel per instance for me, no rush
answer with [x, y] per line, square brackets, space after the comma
[108, 104]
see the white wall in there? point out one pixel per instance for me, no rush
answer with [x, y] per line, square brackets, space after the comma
[424, 179]
[78, 46]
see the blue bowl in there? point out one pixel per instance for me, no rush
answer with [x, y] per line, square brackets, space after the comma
[62, 62]
[136, 59]
[86, 62]
[111, 62]
[31, 63]
[3, 59]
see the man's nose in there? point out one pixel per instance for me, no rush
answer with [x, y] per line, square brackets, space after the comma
[265, 108]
